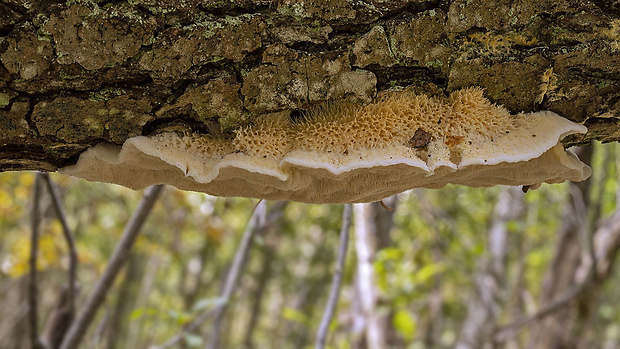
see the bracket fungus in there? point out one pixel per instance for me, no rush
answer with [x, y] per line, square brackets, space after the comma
[347, 153]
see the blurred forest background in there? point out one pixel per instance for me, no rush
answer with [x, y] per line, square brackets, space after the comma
[450, 268]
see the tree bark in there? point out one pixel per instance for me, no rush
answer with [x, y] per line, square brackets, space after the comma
[73, 74]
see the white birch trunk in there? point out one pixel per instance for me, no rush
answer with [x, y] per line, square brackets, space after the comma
[365, 250]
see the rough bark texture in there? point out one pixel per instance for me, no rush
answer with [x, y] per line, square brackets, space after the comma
[77, 73]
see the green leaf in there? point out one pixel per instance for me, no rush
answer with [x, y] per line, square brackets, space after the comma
[427, 271]
[294, 315]
[205, 303]
[390, 253]
[259, 240]
[140, 312]
[136, 313]
[192, 340]
[179, 317]
[405, 324]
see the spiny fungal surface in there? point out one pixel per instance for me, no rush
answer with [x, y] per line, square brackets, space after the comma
[351, 153]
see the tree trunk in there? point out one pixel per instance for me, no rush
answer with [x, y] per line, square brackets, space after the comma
[373, 331]
[73, 74]
[484, 306]
[565, 270]
[606, 247]
[373, 224]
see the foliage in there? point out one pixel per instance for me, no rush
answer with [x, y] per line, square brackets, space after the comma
[438, 242]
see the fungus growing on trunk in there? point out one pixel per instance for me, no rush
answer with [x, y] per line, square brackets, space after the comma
[348, 153]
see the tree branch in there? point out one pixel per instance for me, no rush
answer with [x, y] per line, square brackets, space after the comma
[117, 261]
[69, 238]
[257, 221]
[583, 229]
[192, 327]
[334, 293]
[33, 290]
[509, 331]
[236, 268]
[61, 318]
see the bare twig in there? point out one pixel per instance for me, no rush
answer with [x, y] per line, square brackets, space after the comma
[33, 290]
[100, 330]
[192, 327]
[251, 228]
[511, 330]
[584, 275]
[68, 234]
[506, 332]
[334, 293]
[62, 316]
[570, 294]
[58, 321]
[257, 221]
[583, 229]
[117, 261]
[386, 207]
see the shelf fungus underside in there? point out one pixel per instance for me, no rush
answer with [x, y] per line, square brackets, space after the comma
[347, 153]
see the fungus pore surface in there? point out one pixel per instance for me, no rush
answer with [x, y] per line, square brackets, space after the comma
[348, 153]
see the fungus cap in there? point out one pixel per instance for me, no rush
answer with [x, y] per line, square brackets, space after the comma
[346, 153]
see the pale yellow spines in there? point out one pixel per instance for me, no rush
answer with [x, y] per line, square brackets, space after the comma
[207, 146]
[471, 115]
[268, 138]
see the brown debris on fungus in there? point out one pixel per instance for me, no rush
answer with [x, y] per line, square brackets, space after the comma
[420, 139]
[349, 153]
